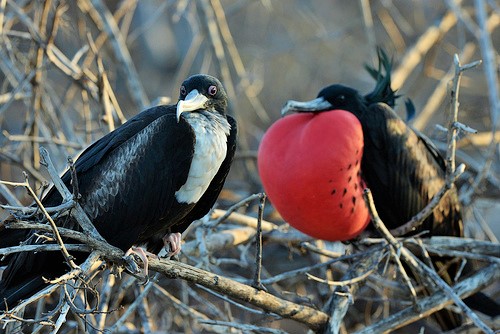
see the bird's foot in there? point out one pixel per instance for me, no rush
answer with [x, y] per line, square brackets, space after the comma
[172, 242]
[259, 286]
[142, 254]
[130, 265]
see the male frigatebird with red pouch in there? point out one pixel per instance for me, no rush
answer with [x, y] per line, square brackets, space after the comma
[319, 160]
[314, 165]
[140, 185]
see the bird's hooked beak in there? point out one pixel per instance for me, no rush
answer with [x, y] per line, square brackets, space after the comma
[193, 101]
[319, 104]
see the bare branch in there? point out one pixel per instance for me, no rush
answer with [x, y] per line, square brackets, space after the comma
[304, 314]
[452, 173]
[437, 301]
[429, 275]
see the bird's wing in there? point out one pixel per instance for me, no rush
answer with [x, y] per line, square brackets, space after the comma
[123, 190]
[403, 171]
[99, 149]
[132, 184]
[89, 157]
[93, 154]
[431, 147]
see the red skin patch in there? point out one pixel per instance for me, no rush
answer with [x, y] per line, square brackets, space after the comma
[309, 164]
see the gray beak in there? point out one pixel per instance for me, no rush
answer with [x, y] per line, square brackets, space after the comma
[319, 104]
[193, 101]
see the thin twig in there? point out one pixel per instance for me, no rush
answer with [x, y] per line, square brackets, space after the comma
[42, 248]
[427, 274]
[452, 173]
[105, 20]
[244, 327]
[134, 305]
[437, 301]
[60, 242]
[304, 314]
[427, 40]
[342, 297]
[258, 256]
[491, 73]
[233, 208]
[452, 128]
[349, 281]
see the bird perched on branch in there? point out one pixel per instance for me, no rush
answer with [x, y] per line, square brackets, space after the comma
[142, 184]
[341, 142]
[315, 163]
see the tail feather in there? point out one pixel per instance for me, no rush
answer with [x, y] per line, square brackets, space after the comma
[484, 304]
[25, 273]
[11, 295]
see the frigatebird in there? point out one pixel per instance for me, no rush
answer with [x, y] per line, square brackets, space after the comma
[141, 184]
[315, 163]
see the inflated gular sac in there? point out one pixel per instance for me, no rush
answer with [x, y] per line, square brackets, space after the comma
[317, 188]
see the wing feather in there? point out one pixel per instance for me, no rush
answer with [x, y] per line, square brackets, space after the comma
[401, 193]
[127, 210]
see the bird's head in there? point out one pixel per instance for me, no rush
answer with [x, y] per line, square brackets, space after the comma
[201, 92]
[329, 98]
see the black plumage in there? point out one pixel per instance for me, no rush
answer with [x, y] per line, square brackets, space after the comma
[154, 175]
[402, 167]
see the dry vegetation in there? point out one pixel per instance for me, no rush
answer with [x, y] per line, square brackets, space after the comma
[73, 70]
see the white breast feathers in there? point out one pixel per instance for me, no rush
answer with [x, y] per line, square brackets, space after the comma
[211, 131]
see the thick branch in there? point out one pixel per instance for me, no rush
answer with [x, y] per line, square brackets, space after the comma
[310, 317]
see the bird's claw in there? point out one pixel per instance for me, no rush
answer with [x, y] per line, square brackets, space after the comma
[130, 264]
[259, 286]
[172, 242]
[140, 253]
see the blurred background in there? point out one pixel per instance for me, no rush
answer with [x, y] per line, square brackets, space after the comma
[71, 71]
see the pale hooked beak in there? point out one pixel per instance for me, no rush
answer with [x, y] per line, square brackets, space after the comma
[319, 104]
[193, 101]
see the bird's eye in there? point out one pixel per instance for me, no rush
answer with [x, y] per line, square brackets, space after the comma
[212, 90]
[183, 90]
[340, 98]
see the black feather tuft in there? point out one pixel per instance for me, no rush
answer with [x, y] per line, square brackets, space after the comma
[383, 91]
[410, 110]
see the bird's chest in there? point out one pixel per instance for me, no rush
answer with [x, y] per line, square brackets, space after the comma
[210, 149]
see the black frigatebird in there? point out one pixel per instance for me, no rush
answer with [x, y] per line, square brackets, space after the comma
[315, 163]
[351, 141]
[142, 184]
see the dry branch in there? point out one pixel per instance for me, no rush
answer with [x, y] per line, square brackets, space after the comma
[429, 276]
[437, 301]
[104, 19]
[426, 41]
[452, 172]
[342, 297]
[57, 62]
[241, 219]
[219, 241]
[312, 318]
[463, 244]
